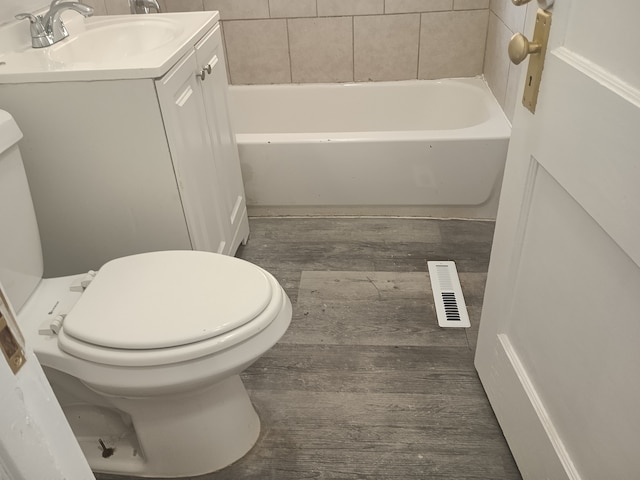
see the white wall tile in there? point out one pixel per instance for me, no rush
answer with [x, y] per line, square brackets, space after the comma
[512, 16]
[332, 8]
[239, 9]
[183, 6]
[10, 8]
[412, 6]
[452, 43]
[258, 51]
[321, 49]
[292, 8]
[496, 62]
[502, 76]
[511, 98]
[117, 7]
[226, 56]
[386, 47]
[99, 7]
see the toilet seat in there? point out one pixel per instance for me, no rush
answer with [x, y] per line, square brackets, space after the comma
[165, 307]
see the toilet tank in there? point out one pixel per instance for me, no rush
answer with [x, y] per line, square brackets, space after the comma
[21, 264]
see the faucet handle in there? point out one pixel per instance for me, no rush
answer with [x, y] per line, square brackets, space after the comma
[22, 16]
[32, 18]
[39, 37]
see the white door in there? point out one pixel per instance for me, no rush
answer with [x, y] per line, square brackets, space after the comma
[559, 343]
[36, 441]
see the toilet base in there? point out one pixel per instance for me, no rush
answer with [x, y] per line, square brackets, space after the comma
[178, 435]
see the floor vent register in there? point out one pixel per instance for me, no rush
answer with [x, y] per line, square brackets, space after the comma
[447, 295]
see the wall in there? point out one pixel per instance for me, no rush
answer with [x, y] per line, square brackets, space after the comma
[9, 8]
[505, 19]
[283, 41]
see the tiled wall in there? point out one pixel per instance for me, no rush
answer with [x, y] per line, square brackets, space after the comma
[283, 41]
[505, 19]
[9, 8]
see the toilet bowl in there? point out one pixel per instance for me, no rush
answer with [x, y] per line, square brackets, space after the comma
[145, 354]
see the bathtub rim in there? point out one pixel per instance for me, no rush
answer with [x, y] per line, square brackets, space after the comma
[496, 126]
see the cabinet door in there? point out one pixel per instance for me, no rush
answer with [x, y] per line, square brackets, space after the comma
[210, 56]
[192, 153]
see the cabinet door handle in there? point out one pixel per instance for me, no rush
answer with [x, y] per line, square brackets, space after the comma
[208, 68]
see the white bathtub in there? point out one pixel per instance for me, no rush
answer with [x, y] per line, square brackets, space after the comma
[420, 147]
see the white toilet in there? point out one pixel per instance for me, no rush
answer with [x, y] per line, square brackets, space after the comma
[145, 355]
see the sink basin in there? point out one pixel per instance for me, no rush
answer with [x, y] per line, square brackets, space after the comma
[103, 47]
[109, 42]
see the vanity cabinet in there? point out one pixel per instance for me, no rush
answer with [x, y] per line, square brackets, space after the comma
[131, 165]
[194, 107]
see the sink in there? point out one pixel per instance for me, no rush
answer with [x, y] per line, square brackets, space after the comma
[103, 47]
[108, 41]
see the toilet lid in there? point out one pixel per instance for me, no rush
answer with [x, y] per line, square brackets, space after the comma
[166, 299]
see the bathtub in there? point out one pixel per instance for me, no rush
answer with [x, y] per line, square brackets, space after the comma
[415, 148]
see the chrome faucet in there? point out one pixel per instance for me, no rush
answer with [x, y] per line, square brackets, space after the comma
[48, 29]
[144, 6]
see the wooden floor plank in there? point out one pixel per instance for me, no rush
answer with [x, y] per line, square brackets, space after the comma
[365, 385]
[340, 230]
[368, 308]
[366, 256]
[374, 369]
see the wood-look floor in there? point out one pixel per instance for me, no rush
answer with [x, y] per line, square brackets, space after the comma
[364, 384]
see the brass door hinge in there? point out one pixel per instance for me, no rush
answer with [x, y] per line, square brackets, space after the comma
[10, 343]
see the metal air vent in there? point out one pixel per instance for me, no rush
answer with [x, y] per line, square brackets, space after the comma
[447, 295]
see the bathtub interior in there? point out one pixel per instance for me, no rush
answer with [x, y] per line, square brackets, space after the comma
[360, 107]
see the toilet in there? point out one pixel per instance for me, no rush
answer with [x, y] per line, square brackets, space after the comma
[145, 354]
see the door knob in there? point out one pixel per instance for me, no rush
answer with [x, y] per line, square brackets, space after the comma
[520, 47]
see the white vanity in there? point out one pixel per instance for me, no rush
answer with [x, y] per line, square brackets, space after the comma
[127, 142]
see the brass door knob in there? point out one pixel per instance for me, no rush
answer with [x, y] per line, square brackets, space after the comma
[520, 47]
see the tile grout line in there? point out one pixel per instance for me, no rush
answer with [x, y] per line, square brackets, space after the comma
[419, 45]
[289, 50]
[353, 48]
